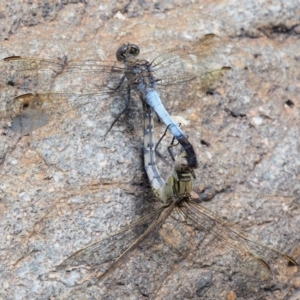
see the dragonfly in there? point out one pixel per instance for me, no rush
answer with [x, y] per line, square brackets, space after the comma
[254, 258]
[176, 75]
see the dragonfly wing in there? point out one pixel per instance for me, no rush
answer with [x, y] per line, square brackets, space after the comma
[188, 72]
[73, 85]
[252, 261]
[29, 73]
[195, 59]
[258, 249]
[35, 110]
[103, 256]
[205, 47]
[179, 93]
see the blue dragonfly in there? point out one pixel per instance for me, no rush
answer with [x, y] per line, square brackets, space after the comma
[176, 75]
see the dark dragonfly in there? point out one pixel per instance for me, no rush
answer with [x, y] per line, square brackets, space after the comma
[176, 75]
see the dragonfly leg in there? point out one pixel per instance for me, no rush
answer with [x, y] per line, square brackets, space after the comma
[158, 153]
[119, 84]
[169, 148]
[127, 103]
[122, 79]
[172, 144]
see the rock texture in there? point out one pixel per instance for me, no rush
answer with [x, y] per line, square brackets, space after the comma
[65, 186]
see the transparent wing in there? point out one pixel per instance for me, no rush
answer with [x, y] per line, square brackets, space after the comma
[104, 256]
[204, 47]
[250, 259]
[178, 64]
[31, 74]
[175, 66]
[35, 110]
[183, 94]
[57, 83]
[186, 73]
[57, 89]
[198, 63]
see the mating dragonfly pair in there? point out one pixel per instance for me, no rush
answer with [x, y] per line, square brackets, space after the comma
[167, 76]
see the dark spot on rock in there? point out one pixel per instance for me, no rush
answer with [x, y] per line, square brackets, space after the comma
[210, 92]
[289, 103]
[235, 114]
[279, 29]
[205, 143]
[204, 283]
[25, 106]
[207, 194]
[282, 28]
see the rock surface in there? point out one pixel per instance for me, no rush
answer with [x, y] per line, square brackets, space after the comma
[65, 186]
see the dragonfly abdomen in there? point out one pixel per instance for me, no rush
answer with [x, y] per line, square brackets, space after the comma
[153, 99]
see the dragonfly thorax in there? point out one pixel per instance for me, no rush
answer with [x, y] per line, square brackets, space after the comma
[140, 75]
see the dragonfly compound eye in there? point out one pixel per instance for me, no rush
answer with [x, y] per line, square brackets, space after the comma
[126, 51]
[133, 49]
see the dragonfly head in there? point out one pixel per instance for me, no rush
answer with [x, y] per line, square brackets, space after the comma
[126, 51]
